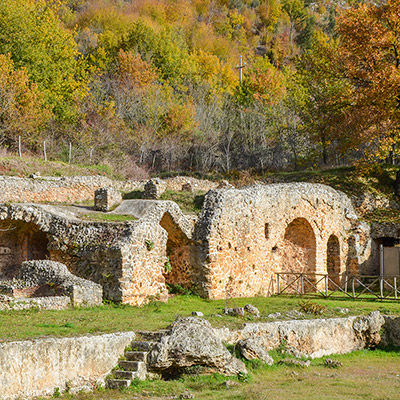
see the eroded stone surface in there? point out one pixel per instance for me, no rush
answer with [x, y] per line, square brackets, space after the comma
[245, 235]
[312, 338]
[192, 341]
[106, 198]
[82, 292]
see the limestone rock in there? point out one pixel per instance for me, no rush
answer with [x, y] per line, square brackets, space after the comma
[253, 348]
[367, 328]
[332, 363]
[252, 310]
[197, 314]
[391, 336]
[236, 311]
[294, 363]
[225, 185]
[192, 341]
[45, 272]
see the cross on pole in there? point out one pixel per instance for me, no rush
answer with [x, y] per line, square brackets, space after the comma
[240, 68]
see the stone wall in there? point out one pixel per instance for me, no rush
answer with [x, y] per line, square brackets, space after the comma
[79, 188]
[313, 338]
[127, 259]
[245, 235]
[36, 367]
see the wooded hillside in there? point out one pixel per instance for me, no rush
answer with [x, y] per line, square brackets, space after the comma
[154, 84]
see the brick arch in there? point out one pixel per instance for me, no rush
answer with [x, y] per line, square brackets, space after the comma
[299, 247]
[333, 259]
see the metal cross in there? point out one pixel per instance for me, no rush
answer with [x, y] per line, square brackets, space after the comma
[240, 67]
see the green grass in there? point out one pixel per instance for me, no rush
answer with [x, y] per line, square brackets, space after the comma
[365, 374]
[189, 203]
[112, 318]
[98, 216]
[379, 181]
[384, 216]
[25, 166]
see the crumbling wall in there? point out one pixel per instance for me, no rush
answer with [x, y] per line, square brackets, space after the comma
[246, 235]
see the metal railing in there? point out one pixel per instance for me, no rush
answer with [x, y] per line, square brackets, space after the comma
[337, 285]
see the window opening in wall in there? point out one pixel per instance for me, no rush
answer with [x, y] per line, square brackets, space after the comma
[266, 231]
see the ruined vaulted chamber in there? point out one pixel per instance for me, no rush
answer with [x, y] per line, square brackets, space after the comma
[241, 238]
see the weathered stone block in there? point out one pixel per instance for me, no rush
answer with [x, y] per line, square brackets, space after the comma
[44, 272]
[106, 198]
[154, 188]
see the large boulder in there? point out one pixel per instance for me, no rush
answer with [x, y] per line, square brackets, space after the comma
[192, 341]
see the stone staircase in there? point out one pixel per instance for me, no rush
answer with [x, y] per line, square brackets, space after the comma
[134, 363]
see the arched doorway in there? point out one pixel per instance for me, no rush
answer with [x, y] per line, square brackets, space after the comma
[333, 260]
[178, 270]
[299, 252]
[20, 241]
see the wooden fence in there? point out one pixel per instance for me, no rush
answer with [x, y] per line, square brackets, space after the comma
[339, 285]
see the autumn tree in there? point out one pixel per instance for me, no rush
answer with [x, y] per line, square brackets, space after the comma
[328, 96]
[21, 105]
[370, 61]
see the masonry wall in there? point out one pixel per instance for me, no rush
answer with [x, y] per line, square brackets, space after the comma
[36, 367]
[79, 188]
[246, 235]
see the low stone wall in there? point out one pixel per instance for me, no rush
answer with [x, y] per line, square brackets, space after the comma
[312, 338]
[79, 188]
[37, 367]
[64, 190]
[41, 303]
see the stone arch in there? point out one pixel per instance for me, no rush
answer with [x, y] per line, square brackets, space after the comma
[333, 260]
[300, 247]
[20, 241]
[178, 269]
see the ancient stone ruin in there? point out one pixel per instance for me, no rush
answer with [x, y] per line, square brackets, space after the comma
[239, 240]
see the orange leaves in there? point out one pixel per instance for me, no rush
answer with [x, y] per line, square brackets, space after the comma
[133, 70]
[21, 103]
[369, 58]
[262, 82]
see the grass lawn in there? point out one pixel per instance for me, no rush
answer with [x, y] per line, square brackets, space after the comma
[16, 325]
[365, 374]
[103, 217]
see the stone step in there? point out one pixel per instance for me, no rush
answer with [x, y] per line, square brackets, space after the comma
[136, 355]
[124, 375]
[118, 383]
[152, 336]
[131, 365]
[139, 345]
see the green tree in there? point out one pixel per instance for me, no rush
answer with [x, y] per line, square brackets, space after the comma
[31, 32]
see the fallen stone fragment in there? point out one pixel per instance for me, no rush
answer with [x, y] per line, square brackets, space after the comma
[294, 363]
[274, 315]
[186, 395]
[192, 341]
[332, 363]
[197, 314]
[236, 311]
[252, 310]
[255, 348]
[294, 314]
[228, 384]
